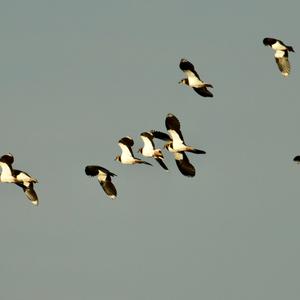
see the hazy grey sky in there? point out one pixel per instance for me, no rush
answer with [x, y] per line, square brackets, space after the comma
[76, 76]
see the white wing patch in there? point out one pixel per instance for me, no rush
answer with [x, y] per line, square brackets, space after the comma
[6, 175]
[102, 176]
[125, 151]
[148, 149]
[278, 46]
[279, 53]
[194, 81]
[177, 142]
[23, 177]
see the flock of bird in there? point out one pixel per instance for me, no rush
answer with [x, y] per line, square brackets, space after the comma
[174, 141]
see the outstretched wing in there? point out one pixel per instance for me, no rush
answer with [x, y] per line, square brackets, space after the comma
[184, 165]
[125, 144]
[282, 60]
[173, 127]
[203, 91]
[188, 68]
[161, 135]
[29, 192]
[109, 188]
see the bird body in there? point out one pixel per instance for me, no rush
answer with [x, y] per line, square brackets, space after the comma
[20, 178]
[177, 143]
[127, 156]
[149, 149]
[281, 54]
[104, 178]
[193, 80]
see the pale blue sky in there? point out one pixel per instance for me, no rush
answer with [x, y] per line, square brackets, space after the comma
[76, 76]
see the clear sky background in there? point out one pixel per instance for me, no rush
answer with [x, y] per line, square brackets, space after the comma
[76, 76]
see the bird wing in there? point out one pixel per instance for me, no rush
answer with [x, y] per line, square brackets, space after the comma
[94, 170]
[126, 150]
[148, 143]
[282, 60]
[29, 192]
[24, 177]
[109, 188]
[188, 68]
[127, 140]
[161, 163]
[7, 170]
[184, 165]
[203, 91]
[7, 158]
[173, 127]
[297, 159]
[161, 135]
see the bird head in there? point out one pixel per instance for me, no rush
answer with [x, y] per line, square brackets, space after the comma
[183, 81]
[118, 158]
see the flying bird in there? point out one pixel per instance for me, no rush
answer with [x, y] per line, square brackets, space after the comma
[176, 145]
[127, 156]
[175, 141]
[149, 149]
[193, 80]
[281, 54]
[20, 178]
[104, 178]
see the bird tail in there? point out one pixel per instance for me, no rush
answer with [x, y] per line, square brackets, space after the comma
[195, 151]
[208, 85]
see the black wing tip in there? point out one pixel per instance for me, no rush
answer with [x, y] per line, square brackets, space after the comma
[198, 151]
[109, 189]
[204, 92]
[297, 159]
[161, 163]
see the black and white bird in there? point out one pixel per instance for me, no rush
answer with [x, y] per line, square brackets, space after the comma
[104, 178]
[181, 159]
[176, 145]
[149, 149]
[20, 178]
[297, 159]
[281, 54]
[127, 156]
[175, 141]
[193, 80]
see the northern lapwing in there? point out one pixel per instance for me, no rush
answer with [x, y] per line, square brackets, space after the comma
[281, 54]
[175, 141]
[297, 159]
[149, 149]
[20, 178]
[176, 145]
[127, 156]
[193, 80]
[104, 178]
[181, 159]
